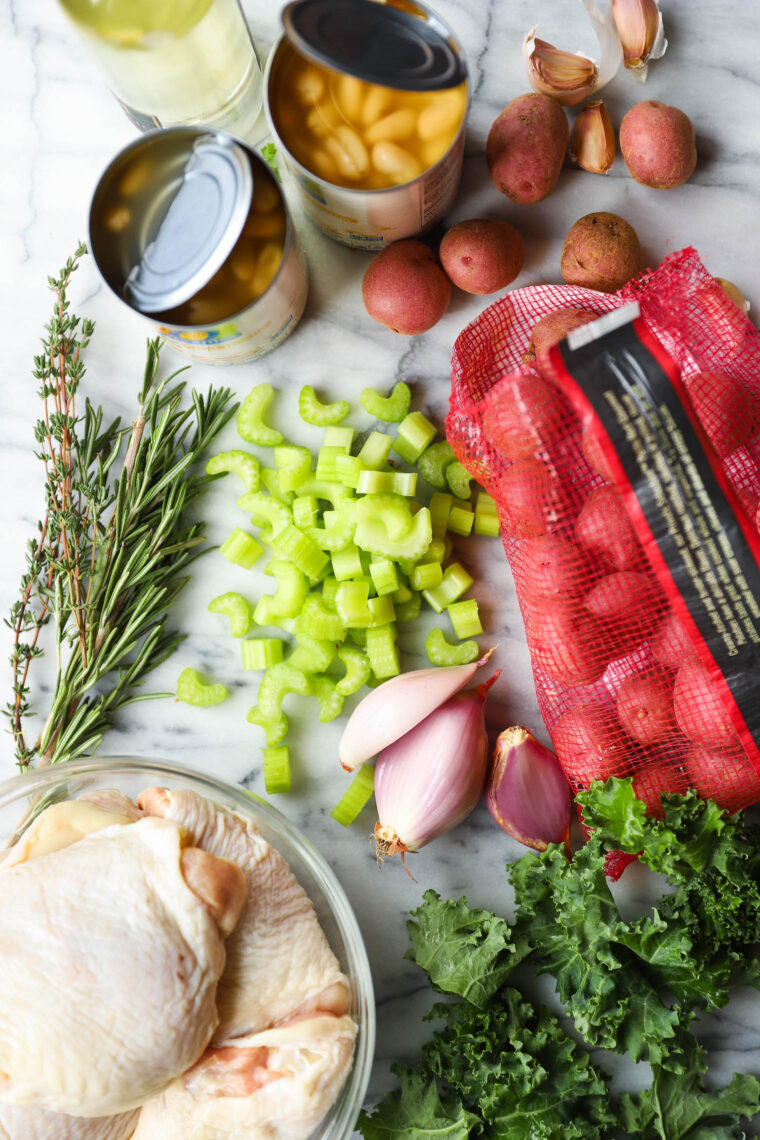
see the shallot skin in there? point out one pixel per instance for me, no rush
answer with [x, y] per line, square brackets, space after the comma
[527, 793]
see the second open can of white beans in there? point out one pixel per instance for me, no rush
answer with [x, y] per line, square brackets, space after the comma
[367, 102]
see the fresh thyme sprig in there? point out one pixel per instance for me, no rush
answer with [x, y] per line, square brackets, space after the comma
[107, 563]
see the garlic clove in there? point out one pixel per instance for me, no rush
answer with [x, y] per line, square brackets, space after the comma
[567, 77]
[396, 706]
[527, 792]
[592, 139]
[640, 27]
[735, 293]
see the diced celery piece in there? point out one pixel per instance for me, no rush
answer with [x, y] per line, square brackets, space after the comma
[287, 600]
[250, 418]
[391, 409]
[314, 412]
[293, 465]
[382, 652]
[436, 552]
[275, 685]
[382, 610]
[465, 618]
[312, 654]
[193, 690]
[390, 510]
[461, 519]
[330, 699]
[341, 437]
[348, 468]
[241, 463]
[356, 797]
[375, 450]
[433, 462]
[337, 533]
[275, 727]
[440, 509]
[327, 463]
[410, 609]
[265, 510]
[358, 670]
[405, 483]
[486, 516]
[235, 607]
[316, 620]
[328, 489]
[261, 652]
[305, 511]
[329, 590]
[385, 576]
[455, 582]
[387, 482]
[401, 595]
[241, 548]
[292, 545]
[270, 481]
[351, 601]
[276, 770]
[371, 535]
[415, 433]
[346, 563]
[458, 479]
[441, 652]
[358, 636]
[426, 575]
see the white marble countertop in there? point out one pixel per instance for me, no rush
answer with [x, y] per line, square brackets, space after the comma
[60, 128]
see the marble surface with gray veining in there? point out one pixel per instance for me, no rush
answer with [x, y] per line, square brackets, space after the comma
[59, 129]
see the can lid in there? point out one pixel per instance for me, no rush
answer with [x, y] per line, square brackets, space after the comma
[196, 233]
[410, 48]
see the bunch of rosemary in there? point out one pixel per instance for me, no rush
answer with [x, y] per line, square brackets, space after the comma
[112, 546]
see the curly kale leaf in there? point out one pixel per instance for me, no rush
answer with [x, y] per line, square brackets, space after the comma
[417, 1111]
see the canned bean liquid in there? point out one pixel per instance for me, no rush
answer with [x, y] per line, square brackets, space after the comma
[368, 103]
[190, 228]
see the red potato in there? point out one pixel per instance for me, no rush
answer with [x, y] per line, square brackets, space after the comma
[601, 251]
[604, 528]
[526, 148]
[671, 644]
[590, 744]
[658, 145]
[551, 567]
[405, 288]
[553, 328]
[565, 642]
[654, 781]
[482, 255]
[645, 706]
[594, 454]
[524, 414]
[699, 708]
[532, 499]
[629, 605]
[728, 777]
[729, 413]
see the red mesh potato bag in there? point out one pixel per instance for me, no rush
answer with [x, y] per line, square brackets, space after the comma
[626, 470]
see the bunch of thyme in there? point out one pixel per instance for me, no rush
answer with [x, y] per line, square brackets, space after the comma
[113, 544]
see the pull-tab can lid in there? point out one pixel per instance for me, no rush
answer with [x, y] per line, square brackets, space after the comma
[410, 48]
[195, 236]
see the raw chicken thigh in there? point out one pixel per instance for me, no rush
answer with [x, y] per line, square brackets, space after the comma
[65, 823]
[37, 1124]
[111, 949]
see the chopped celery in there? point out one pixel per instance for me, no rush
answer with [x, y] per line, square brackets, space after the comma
[356, 797]
[383, 482]
[461, 519]
[391, 510]
[241, 548]
[193, 690]
[235, 607]
[442, 652]
[372, 536]
[250, 418]
[382, 610]
[440, 509]
[375, 450]
[312, 654]
[426, 575]
[348, 468]
[351, 601]
[288, 598]
[433, 462]
[486, 516]
[458, 479]
[401, 595]
[346, 563]
[385, 576]
[330, 699]
[327, 468]
[341, 437]
[314, 412]
[358, 670]
[305, 511]
[246, 466]
[263, 510]
[261, 652]
[275, 726]
[465, 618]
[335, 536]
[275, 685]
[329, 590]
[382, 652]
[270, 481]
[409, 610]
[292, 545]
[293, 465]
[358, 636]
[391, 409]
[455, 582]
[316, 620]
[328, 489]
[276, 770]
[436, 552]
[415, 433]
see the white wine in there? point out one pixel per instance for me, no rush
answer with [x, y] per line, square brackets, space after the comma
[171, 62]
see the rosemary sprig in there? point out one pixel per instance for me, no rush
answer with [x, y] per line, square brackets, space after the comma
[114, 543]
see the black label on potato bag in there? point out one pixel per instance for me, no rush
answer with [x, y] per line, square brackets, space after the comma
[695, 533]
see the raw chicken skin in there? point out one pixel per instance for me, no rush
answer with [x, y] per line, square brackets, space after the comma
[278, 959]
[109, 969]
[65, 823]
[37, 1124]
[285, 1080]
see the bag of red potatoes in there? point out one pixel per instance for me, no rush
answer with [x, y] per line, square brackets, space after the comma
[625, 463]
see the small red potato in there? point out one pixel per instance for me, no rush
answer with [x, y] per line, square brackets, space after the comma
[629, 606]
[532, 499]
[553, 328]
[594, 454]
[658, 145]
[552, 567]
[482, 255]
[671, 644]
[526, 148]
[405, 288]
[645, 706]
[590, 744]
[650, 783]
[565, 642]
[728, 412]
[728, 777]
[602, 252]
[524, 415]
[604, 528]
[700, 710]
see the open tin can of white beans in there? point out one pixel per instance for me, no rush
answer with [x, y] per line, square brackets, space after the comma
[190, 228]
[367, 102]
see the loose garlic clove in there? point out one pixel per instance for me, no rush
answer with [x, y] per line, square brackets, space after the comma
[639, 25]
[592, 139]
[567, 77]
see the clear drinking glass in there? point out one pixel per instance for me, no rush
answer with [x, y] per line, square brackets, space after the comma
[173, 62]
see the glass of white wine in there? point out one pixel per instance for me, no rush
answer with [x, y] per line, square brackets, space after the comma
[173, 62]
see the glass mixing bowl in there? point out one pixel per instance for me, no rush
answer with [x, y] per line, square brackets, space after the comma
[23, 796]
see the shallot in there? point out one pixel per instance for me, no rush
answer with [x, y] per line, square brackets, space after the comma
[527, 793]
